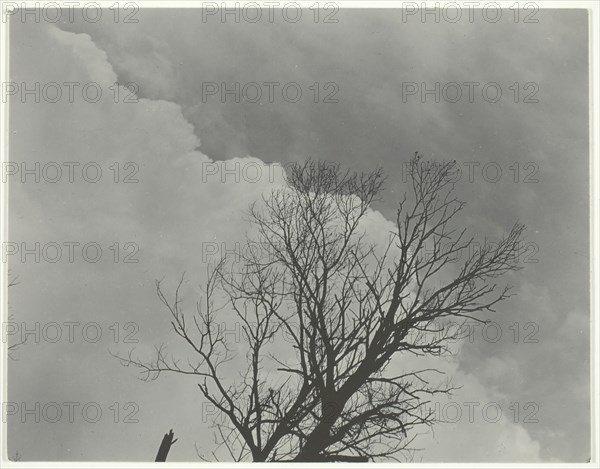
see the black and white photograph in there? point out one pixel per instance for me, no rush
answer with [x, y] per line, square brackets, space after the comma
[299, 232]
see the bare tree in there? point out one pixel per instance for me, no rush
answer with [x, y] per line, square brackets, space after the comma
[348, 309]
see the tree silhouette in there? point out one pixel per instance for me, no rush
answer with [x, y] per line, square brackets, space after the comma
[347, 309]
[165, 446]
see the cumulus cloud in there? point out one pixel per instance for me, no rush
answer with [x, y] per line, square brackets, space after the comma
[180, 203]
[186, 200]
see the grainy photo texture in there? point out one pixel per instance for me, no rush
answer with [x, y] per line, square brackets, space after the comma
[296, 232]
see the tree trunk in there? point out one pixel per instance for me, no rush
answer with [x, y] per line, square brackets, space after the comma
[165, 446]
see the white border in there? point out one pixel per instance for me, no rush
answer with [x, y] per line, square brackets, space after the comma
[594, 179]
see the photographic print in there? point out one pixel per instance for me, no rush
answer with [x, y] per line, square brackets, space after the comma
[299, 232]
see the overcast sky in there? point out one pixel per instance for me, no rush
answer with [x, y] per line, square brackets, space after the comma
[170, 133]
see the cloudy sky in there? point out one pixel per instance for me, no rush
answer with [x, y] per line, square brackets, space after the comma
[173, 139]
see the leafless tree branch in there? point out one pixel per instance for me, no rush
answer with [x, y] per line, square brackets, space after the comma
[347, 309]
